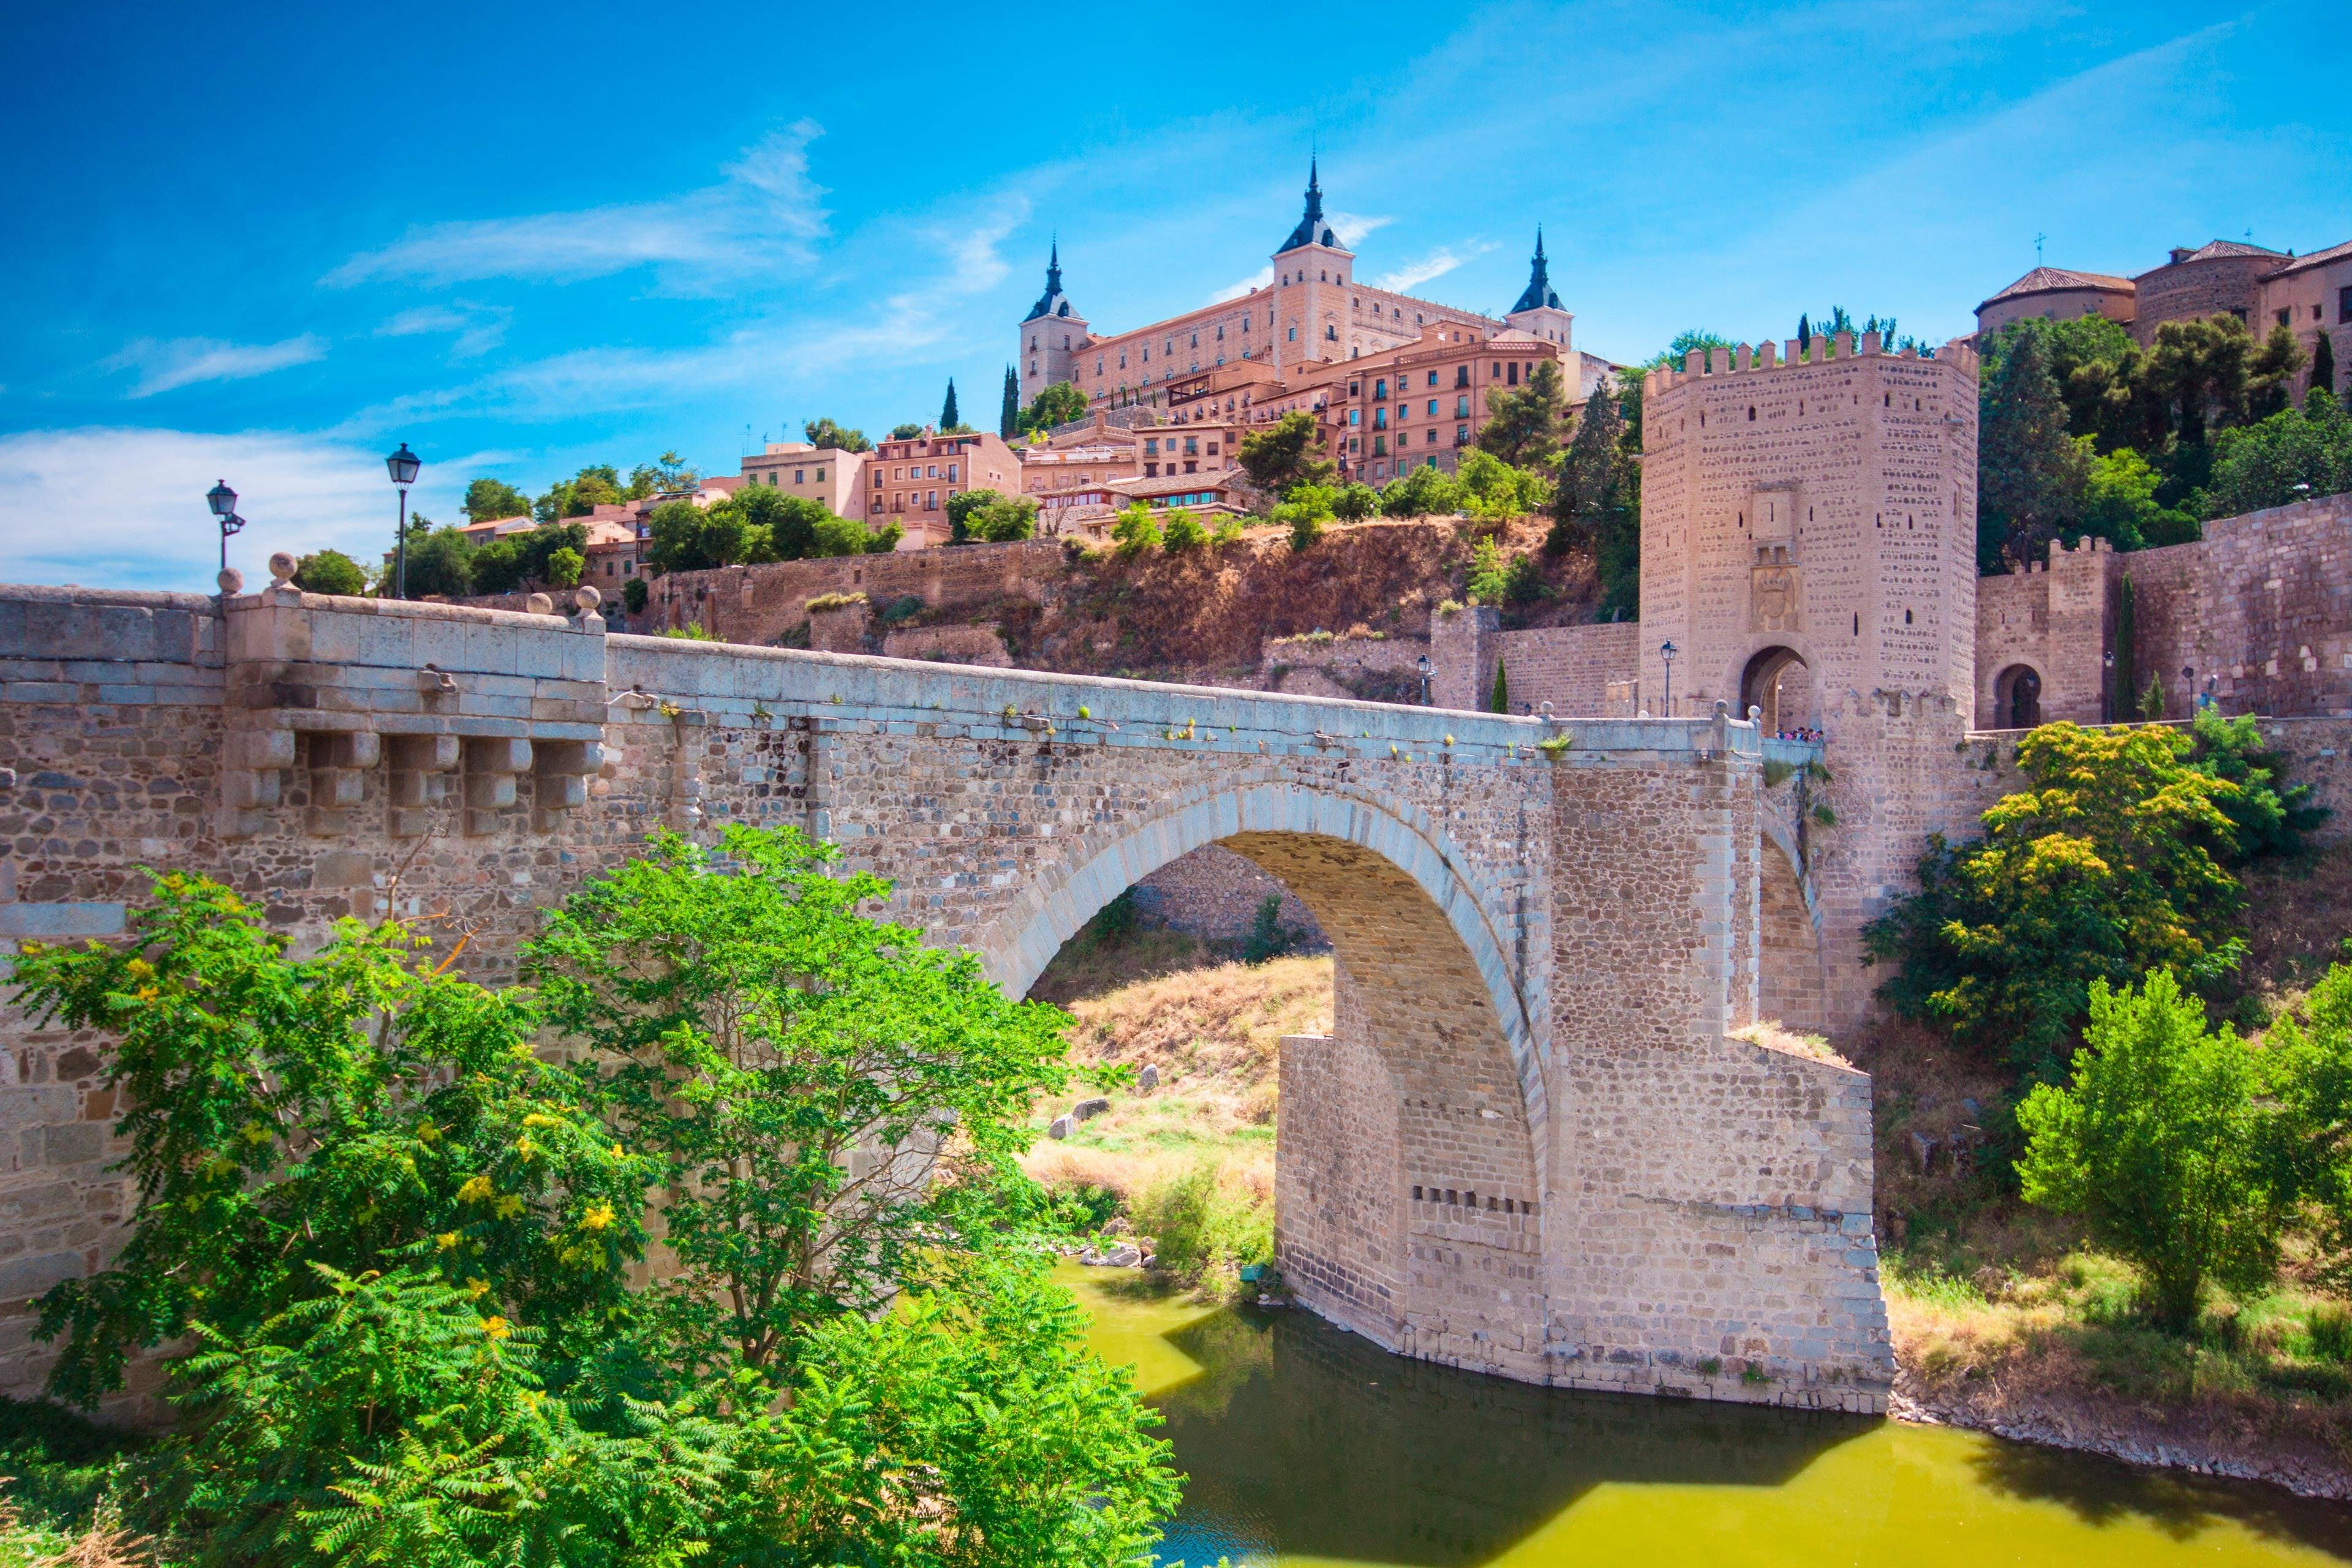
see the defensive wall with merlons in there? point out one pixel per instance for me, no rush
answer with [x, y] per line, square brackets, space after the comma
[1531, 1144]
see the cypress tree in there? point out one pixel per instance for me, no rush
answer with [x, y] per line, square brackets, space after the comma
[2119, 699]
[1499, 701]
[1804, 334]
[1008, 423]
[2323, 366]
[948, 419]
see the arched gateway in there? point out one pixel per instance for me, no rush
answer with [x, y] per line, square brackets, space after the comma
[1532, 1143]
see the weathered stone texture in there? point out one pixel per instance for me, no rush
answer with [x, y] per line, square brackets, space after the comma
[1541, 956]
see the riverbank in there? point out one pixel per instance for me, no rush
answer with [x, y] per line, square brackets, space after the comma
[2002, 1322]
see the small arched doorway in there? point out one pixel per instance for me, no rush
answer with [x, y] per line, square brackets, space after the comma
[1777, 682]
[2017, 698]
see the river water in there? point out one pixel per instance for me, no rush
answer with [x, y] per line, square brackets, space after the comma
[1307, 1445]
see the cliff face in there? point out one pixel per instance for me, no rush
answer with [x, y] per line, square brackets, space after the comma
[1202, 613]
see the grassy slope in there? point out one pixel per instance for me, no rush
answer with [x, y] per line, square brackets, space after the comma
[2001, 1315]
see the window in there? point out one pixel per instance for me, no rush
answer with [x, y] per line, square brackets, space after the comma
[1432, 378]
[1433, 408]
[1462, 408]
[931, 501]
[820, 476]
[1462, 434]
[2284, 317]
[1293, 334]
[800, 477]
[1429, 436]
[1151, 445]
[2343, 304]
[1513, 375]
[1380, 390]
[1212, 448]
[951, 471]
[1150, 470]
[1461, 375]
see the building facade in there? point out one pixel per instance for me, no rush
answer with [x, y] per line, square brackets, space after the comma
[908, 480]
[2309, 295]
[827, 475]
[1258, 354]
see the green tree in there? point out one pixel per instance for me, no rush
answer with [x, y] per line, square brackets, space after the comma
[961, 507]
[847, 536]
[1059, 403]
[949, 418]
[1005, 518]
[1136, 530]
[440, 564]
[2263, 465]
[1491, 488]
[680, 539]
[2323, 366]
[633, 594]
[564, 568]
[2111, 864]
[489, 499]
[828, 435]
[2119, 502]
[906, 432]
[2308, 1054]
[1488, 577]
[341, 1110]
[1598, 501]
[2162, 1145]
[1676, 354]
[1182, 531]
[2270, 375]
[2151, 699]
[1354, 503]
[780, 526]
[1498, 700]
[665, 475]
[2200, 371]
[1522, 428]
[330, 572]
[497, 564]
[1008, 417]
[794, 1066]
[2032, 473]
[1286, 454]
[1424, 491]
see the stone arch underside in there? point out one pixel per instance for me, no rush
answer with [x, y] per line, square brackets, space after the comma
[1777, 680]
[1409, 1182]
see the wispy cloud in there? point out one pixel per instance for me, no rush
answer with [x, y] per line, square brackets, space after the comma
[1349, 228]
[135, 499]
[1436, 264]
[764, 210]
[163, 364]
[1261, 278]
[476, 329]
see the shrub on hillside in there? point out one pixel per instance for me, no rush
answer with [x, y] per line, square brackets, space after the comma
[2114, 862]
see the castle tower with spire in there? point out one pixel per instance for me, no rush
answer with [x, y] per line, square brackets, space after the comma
[1052, 333]
[1540, 313]
[1312, 271]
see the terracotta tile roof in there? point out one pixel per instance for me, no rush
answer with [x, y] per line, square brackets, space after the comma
[2043, 279]
[1172, 484]
[2316, 258]
[2218, 248]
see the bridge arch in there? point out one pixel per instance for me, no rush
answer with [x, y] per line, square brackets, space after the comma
[1410, 1170]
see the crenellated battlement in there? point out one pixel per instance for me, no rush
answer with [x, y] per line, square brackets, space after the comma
[1829, 348]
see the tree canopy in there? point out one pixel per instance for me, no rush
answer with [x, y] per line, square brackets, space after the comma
[487, 499]
[1286, 454]
[1523, 428]
[826, 433]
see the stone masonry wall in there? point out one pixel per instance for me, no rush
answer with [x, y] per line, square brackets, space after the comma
[763, 605]
[1525, 939]
[2261, 608]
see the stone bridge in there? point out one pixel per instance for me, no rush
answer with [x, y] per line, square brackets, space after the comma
[1533, 1143]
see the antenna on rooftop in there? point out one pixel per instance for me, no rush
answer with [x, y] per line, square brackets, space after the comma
[2037, 247]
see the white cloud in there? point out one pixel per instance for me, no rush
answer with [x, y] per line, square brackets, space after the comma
[125, 507]
[164, 364]
[1436, 264]
[1349, 228]
[764, 212]
[1261, 278]
[477, 329]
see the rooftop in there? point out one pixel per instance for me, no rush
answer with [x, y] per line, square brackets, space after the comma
[2043, 279]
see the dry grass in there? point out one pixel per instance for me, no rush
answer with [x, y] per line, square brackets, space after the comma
[1773, 1037]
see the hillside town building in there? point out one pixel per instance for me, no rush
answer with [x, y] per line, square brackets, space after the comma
[1285, 345]
[2308, 295]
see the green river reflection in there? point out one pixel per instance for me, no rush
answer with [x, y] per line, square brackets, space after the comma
[1305, 1446]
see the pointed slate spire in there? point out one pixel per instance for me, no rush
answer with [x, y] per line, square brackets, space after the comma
[1538, 293]
[1054, 269]
[1051, 302]
[1310, 229]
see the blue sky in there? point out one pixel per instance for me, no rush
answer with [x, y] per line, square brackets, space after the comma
[269, 244]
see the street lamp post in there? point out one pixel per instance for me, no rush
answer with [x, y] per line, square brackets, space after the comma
[2107, 686]
[1667, 651]
[402, 465]
[223, 500]
[1422, 664]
